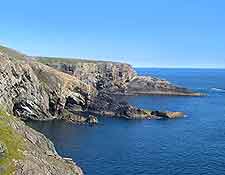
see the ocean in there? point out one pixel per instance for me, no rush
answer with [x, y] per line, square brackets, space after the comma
[191, 145]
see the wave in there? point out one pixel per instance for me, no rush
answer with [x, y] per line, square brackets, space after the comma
[218, 89]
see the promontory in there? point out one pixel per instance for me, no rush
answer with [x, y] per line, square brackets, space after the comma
[79, 91]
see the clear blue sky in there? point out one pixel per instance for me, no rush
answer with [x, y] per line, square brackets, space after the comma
[145, 33]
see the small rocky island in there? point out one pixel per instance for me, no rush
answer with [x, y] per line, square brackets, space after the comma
[79, 91]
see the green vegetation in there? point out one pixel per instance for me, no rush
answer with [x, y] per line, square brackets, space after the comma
[13, 142]
[147, 111]
[14, 55]
[54, 60]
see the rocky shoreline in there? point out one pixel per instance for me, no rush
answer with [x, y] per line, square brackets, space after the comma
[37, 88]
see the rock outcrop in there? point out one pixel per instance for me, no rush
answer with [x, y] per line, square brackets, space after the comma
[32, 90]
[146, 85]
[100, 74]
[115, 78]
[107, 105]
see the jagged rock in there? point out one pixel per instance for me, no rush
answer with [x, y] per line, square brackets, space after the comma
[115, 78]
[20, 85]
[174, 114]
[74, 118]
[32, 90]
[78, 118]
[143, 85]
[104, 104]
[167, 114]
[92, 120]
[3, 150]
[100, 74]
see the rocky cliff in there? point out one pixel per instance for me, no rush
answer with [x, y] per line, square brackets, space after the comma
[115, 78]
[32, 90]
[100, 74]
[43, 89]
[48, 88]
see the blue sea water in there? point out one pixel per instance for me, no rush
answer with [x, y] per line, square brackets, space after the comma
[191, 145]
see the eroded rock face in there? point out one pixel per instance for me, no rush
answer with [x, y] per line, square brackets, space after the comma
[64, 91]
[115, 78]
[100, 74]
[32, 90]
[19, 86]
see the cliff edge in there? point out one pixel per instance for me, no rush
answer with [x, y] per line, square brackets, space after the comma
[115, 78]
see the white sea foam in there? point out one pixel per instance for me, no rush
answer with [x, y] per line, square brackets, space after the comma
[218, 89]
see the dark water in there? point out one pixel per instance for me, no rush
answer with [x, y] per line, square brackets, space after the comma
[191, 145]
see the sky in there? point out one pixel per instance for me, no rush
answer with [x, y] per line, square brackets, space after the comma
[144, 33]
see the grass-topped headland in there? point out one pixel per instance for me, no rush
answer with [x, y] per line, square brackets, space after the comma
[55, 60]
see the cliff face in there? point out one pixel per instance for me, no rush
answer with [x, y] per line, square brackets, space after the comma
[115, 78]
[20, 90]
[100, 74]
[32, 90]
[71, 89]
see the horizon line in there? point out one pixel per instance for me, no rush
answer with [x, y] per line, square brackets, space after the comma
[139, 67]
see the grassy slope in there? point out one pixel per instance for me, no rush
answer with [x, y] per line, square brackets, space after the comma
[13, 54]
[13, 142]
[50, 60]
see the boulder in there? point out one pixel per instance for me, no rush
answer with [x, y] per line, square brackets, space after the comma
[92, 120]
[169, 115]
[3, 150]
